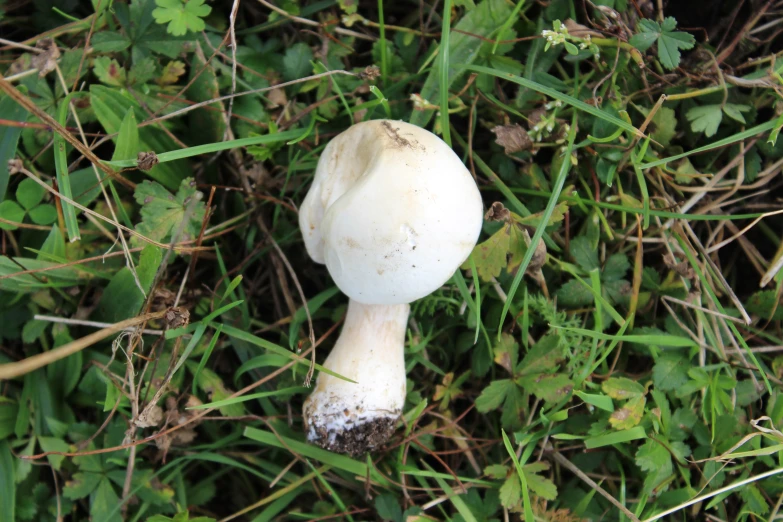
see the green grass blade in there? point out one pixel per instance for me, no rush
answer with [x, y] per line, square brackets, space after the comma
[753, 131]
[266, 139]
[444, 72]
[382, 42]
[552, 93]
[615, 437]
[528, 510]
[250, 397]
[334, 460]
[63, 179]
[550, 207]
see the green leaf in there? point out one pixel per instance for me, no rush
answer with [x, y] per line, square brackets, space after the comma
[493, 395]
[629, 415]
[754, 499]
[764, 303]
[507, 352]
[109, 42]
[663, 125]
[181, 15]
[54, 444]
[127, 145]
[103, 503]
[513, 406]
[653, 458]
[111, 107]
[163, 214]
[496, 471]
[81, 485]
[109, 71]
[11, 211]
[670, 372]
[620, 388]
[43, 215]
[574, 294]
[705, 118]
[122, 298]
[210, 383]
[734, 111]
[142, 71]
[63, 174]
[54, 245]
[544, 356]
[29, 193]
[490, 256]
[669, 41]
[540, 485]
[510, 492]
[9, 137]
[7, 487]
[296, 61]
[615, 268]
[584, 255]
[207, 123]
[550, 388]
[388, 508]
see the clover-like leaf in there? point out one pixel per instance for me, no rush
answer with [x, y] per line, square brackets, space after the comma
[669, 41]
[181, 15]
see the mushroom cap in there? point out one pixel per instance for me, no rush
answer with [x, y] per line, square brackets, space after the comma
[392, 212]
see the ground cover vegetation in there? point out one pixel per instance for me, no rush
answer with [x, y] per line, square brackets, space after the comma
[611, 350]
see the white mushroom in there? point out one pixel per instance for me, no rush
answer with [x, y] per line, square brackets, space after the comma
[393, 213]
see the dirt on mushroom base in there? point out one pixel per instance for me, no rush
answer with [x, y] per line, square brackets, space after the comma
[355, 441]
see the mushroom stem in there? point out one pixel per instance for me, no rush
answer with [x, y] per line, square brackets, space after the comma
[356, 417]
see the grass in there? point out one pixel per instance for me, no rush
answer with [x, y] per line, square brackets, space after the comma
[611, 349]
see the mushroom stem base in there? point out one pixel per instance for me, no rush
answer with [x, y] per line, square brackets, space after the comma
[357, 417]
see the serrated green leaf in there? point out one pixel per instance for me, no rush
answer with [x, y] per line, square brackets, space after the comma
[109, 42]
[540, 485]
[80, 485]
[764, 303]
[109, 71]
[550, 388]
[510, 492]
[490, 256]
[496, 471]
[705, 118]
[669, 41]
[162, 214]
[493, 395]
[574, 294]
[734, 111]
[584, 255]
[142, 71]
[670, 372]
[296, 61]
[544, 356]
[181, 16]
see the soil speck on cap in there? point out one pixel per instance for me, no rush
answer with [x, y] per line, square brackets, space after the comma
[394, 134]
